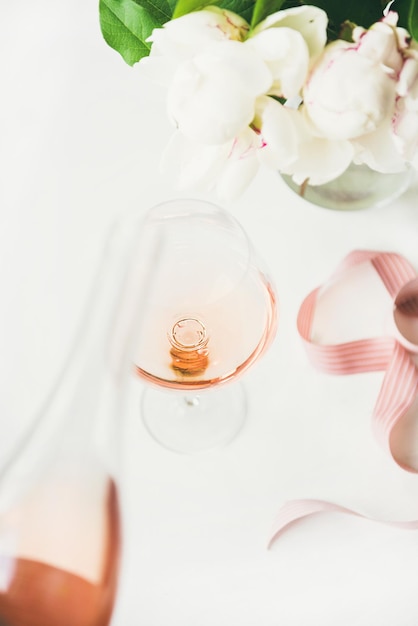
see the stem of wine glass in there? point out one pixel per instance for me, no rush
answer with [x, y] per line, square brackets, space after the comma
[192, 401]
[196, 422]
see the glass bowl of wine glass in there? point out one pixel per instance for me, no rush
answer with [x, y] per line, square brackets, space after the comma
[208, 312]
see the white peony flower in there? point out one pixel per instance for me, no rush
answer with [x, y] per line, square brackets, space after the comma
[347, 93]
[280, 129]
[211, 98]
[184, 37]
[346, 101]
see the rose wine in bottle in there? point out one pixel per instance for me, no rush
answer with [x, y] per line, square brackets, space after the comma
[36, 593]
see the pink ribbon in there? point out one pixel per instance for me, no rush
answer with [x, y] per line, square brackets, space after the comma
[392, 354]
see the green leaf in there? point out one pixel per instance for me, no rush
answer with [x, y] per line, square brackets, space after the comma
[263, 8]
[402, 9]
[160, 10]
[361, 12]
[413, 19]
[187, 6]
[172, 4]
[244, 8]
[125, 27]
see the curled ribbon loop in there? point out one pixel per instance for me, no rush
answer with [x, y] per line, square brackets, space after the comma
[395, 354]
[400, 384]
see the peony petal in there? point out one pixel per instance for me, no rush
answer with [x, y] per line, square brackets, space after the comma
[210, 109]
[212, 97]
[378, 150]
[407, 85]
[320, 160]
[228, 168]
[245, 62]
[236, 177]
[286, 54]
[380, 44]
[189, 34]
[192, 165]
[311, 22]
[405, 129]
[281, 132]
[241, 167]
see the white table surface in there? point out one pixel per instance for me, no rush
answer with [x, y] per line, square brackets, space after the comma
[80, 140]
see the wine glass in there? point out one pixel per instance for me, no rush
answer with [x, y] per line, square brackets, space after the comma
[208, 313]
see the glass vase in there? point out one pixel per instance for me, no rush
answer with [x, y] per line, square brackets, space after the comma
[359, 187]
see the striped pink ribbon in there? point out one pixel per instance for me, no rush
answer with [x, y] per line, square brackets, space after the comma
[389, 354]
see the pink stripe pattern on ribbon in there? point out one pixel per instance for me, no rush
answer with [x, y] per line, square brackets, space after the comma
[400, 384]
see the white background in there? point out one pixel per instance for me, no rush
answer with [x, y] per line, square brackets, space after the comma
[80, 139]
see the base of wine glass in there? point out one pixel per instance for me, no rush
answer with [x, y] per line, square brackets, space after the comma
[194, 421]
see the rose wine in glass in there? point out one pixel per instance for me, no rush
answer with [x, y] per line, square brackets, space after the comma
[208, 313]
